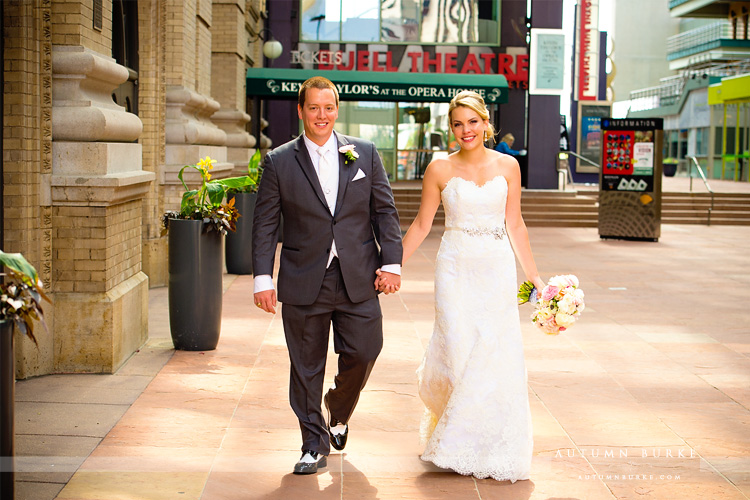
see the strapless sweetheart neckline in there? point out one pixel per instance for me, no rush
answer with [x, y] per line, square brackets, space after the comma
[474, 183]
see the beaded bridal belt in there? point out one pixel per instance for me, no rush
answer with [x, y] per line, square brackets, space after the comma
[496, 232]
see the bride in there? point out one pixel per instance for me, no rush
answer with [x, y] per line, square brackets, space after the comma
[472, 379]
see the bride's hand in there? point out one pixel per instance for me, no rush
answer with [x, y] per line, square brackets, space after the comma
[383, 284]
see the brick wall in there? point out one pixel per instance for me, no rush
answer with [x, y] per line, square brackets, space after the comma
[73, 24]
[152, 82]
[181, 43]
[96, 248]
[229, 43]
[27, 133]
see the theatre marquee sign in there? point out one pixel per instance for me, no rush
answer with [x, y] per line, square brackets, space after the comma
[377, 86]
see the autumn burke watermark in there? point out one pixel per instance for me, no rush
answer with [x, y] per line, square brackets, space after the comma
[626, 453]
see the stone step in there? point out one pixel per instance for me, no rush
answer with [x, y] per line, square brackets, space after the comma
[549, 208]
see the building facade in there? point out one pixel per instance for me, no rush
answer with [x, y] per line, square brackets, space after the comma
[103, 102]
[420, 53]
[713, 44]
[639, 53]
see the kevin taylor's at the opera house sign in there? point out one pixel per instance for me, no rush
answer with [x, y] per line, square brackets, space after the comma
[513, 64]
[365, 91]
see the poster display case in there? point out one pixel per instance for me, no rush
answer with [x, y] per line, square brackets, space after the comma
[630, 179]
[589, 133]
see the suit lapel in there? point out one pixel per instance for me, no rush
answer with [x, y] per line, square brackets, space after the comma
[305, 163]
[346, 173]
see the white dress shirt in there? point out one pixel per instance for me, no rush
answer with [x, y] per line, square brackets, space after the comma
[264, 281]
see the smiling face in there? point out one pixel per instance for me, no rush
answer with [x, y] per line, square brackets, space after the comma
[468, 127]
[318, 114]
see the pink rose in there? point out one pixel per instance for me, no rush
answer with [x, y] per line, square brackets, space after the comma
[549, 292]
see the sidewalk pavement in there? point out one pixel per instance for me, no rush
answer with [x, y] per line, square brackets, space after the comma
[646, 397]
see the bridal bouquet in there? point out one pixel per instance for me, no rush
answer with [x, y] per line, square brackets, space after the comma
[558, 306]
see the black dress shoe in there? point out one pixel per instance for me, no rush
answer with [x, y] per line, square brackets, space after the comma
[310, 467]
[338, 441]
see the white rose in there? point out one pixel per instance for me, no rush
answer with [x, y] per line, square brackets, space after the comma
[564, 320]
[567, 305]
[558, 281]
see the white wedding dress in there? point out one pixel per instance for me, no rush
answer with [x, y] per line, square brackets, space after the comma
[472, 380]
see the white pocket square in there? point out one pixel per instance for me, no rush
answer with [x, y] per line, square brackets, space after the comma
[359, 175]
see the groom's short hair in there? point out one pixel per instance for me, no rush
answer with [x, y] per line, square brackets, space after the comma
[316, 82]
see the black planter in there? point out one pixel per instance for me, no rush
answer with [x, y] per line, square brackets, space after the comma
[7, 410]
[195, 288]
[239, 244]
[669, 169]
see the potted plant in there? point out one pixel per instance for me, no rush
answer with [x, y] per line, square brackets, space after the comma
[195, 258]
[670, 166]
[21, 298]
[238, 244]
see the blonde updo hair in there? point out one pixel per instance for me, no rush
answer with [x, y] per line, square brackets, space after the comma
[475, 102]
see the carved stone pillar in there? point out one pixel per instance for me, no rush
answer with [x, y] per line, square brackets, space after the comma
[97, 188]
[229, 45]
[191, 135]
[240, 144]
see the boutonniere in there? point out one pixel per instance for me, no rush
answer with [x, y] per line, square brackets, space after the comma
[349, 153]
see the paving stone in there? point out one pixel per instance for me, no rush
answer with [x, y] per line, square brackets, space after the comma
[658, 366]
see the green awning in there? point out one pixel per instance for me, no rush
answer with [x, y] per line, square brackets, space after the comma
[378, 86]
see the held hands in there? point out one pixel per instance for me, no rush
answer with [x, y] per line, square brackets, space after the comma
[266, 300]
[387, 282]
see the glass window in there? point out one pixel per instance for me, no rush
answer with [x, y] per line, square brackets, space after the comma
[730, 140]
[361, 20]
[321, 20]
[427, 21]
[400, 20]
[683, 144]
[460, 21]
[701, 141]
[670, 144]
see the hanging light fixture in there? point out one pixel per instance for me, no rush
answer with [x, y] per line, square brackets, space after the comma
[272, 48]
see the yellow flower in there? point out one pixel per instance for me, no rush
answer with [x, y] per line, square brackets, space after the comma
[206, 163]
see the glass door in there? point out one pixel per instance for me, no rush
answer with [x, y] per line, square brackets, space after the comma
[423, 134]
[373, 121]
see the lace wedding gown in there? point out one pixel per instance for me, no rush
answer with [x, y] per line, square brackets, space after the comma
[472, 379]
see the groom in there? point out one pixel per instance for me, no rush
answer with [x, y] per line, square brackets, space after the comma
[340, 226]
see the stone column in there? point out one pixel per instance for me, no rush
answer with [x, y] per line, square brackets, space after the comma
[544, 111]
[190, 133]
[228, 69]
[97, 187]
[152, 110]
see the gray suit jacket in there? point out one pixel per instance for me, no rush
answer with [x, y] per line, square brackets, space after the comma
[365, 224]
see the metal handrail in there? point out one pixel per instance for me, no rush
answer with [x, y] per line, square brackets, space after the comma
[705, 182]
[583, 158]
[567, 164]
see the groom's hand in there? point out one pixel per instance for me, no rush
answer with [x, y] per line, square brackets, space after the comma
[387, 282]
[266, 300]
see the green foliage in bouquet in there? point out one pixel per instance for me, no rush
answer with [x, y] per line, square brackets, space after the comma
[527, 292]
[21, 294]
